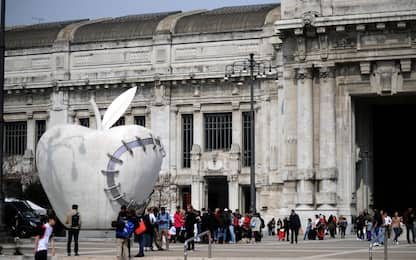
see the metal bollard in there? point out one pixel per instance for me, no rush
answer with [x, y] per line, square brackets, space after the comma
[370, 251]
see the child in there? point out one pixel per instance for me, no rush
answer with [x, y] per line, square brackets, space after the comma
[42, 240]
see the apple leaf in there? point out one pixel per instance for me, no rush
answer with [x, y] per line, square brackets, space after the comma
[117, 108]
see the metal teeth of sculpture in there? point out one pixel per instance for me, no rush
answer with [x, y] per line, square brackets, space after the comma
[99, 169]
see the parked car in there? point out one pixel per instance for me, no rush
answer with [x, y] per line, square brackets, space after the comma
[21, 218]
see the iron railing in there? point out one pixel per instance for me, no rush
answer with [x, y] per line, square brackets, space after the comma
[185, 245]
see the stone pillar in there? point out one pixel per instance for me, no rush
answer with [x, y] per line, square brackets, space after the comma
[198, 125]
[197, 192]
[237, 124]
[288, 124]
[59, 111]
[197, 188]
[304, 159]
[31, 132]
[233, 192]
[327, 172]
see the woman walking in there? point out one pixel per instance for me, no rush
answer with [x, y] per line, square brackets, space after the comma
[395, 224]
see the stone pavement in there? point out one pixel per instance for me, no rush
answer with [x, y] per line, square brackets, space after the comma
[269, 248]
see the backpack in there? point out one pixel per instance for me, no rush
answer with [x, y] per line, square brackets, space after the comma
[75, 220]
[262, 223]
[127, 229]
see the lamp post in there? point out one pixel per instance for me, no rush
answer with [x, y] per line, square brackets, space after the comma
[254, 70]
[2, 48]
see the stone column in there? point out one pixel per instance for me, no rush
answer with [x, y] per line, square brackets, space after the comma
[237, 124]
[327, 173]
[233, 192]
[288, 123]
[197, 188]
[197, 192]
[304, 159]
[198, 125]
[31, 132]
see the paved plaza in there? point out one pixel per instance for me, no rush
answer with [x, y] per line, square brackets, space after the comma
[269, 248]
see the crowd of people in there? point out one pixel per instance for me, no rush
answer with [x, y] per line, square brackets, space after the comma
[374, 227]
[156, 229]
[290, 226]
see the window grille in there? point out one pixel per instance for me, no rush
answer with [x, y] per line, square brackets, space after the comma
[247, 156]
[187, 139]
[120, 121]
[84, 122]
[218, 131]
[40, 129]
[140, 120]
[15, 138]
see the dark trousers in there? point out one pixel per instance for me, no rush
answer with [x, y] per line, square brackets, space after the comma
[294, 232]
[360, 233]
[72, 233]
[287, 234]
[409, 228]
[140, 240]
[41, 255]
[189, 234]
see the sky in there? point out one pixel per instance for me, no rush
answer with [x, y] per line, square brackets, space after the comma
[20, 12]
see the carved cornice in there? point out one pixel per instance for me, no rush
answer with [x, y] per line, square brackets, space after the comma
[327, 72]
[304, 73]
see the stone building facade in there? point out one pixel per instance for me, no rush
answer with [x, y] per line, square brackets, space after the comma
[313, 143]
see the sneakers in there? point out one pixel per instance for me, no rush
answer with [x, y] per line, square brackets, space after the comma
[376, 244]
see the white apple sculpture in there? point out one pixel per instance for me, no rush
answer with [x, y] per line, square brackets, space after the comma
[99, 169]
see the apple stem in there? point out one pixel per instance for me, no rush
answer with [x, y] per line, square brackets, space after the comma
[96, 114]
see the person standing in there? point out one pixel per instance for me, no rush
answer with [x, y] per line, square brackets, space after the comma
[231, 227]
[286, 228]
[73, 220]
[138, 237]
[308, 229]
[163, 220]
[271, 226]
[42, 240]
[395, 225]
[178, 222]
[408, 219]
[256, 227]
[190, 221]
[294, 223]
[343, 223]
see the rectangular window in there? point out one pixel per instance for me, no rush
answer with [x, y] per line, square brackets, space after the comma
[120, 121]
[247, 123]
[187, 139]
[84, 122]
[140, 120]
[218, 131]
[40, 129]
[15, 138]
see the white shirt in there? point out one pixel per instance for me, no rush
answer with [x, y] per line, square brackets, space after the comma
[152, 218]
[387, 221]
[45, 237]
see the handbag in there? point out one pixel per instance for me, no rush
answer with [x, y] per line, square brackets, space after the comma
[141, 228]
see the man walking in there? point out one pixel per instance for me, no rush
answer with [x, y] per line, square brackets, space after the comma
[42, 240]
[408, 219]
[294, 223]
[73, 221]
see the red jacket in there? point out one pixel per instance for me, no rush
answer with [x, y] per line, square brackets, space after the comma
[178, 220]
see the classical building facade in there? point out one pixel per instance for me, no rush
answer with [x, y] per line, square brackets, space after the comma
[335, 61]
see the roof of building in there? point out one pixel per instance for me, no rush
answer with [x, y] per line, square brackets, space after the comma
[32, 36]
[226, 19]
[121, 28]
